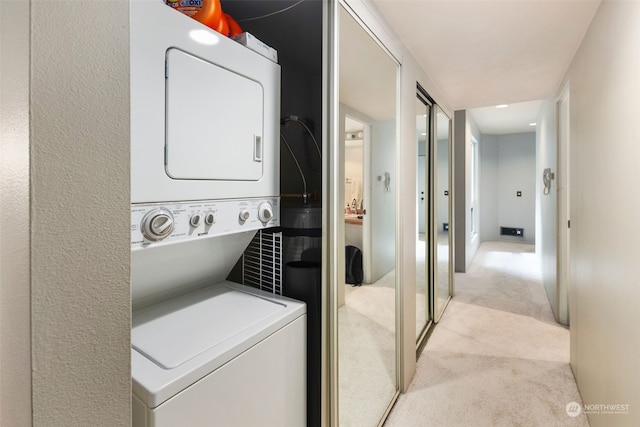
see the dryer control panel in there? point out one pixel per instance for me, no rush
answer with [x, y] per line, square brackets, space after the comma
[159, 223]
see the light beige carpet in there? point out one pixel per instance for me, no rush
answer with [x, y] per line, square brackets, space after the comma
[366, 352]
[497, 357]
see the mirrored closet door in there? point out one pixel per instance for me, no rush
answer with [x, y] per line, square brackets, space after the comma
[423, 215]
[366, 293]
[442, 210]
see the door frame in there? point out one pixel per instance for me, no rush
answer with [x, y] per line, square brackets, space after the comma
[563, 206]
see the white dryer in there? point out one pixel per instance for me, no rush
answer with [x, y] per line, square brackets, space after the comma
[204, 112]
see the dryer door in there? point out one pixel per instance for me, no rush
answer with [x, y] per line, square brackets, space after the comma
[214, 121]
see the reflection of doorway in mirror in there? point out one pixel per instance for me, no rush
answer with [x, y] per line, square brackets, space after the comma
[354, 147]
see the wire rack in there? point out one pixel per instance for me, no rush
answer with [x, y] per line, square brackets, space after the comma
[262, 262]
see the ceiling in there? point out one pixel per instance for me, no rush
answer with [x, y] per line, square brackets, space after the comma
[367, 76]
[478, 53]
[483, 53]
[516, 118]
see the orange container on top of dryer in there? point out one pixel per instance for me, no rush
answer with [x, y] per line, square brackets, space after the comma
[208, 12]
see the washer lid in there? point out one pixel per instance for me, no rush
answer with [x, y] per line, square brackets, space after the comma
[177, 330]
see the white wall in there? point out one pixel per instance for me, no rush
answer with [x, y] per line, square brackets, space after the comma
[515, 158]
[15, 316]
[604, 295]
[517, 163]
[546, 234]
[382, 207]
[466, 242]
[489, 188]
[80, 213]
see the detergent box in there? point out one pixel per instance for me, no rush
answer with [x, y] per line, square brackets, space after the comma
[253, 43]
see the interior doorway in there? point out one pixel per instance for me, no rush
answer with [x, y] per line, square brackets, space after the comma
[563, 226]
[356, 188]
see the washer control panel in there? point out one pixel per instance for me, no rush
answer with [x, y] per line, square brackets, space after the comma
[157, 223]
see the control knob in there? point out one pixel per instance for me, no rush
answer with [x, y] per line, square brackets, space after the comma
[209, 218]
[157, 224]
[265, 212]
[195, 220]
[244, 215]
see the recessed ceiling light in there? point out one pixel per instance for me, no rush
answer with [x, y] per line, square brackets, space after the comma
[532, 124]
[502, 106]
[423, 134]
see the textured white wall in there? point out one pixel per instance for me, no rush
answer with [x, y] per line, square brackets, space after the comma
[15, 342]
[80, 213]
[604, 297]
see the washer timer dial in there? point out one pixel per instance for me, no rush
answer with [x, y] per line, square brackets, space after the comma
[157, 224]
[265, 212]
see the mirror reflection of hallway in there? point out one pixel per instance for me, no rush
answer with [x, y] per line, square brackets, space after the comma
[442, 200]
[423, 250]
[367, 374]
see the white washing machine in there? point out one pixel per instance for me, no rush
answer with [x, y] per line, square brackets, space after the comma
[225, 355]
[206, 351]
[204, 178]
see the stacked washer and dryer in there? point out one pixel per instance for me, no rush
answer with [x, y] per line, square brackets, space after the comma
[204, 178]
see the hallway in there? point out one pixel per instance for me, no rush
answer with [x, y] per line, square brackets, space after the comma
[497, 357]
